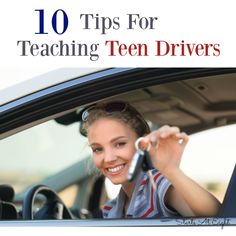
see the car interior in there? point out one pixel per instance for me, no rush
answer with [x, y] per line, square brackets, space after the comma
[193, 105]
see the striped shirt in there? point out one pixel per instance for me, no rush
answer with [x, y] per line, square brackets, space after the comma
[145, 202]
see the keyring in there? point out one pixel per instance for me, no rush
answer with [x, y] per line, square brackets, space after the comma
[137, 144]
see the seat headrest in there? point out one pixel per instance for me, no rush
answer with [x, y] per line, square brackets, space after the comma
[7, 208]
[8, 211]
[6, 193]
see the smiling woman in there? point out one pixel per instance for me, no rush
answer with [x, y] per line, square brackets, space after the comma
[112, 129]
[41, 142]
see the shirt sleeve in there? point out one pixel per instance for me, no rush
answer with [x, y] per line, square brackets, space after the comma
[162, 189]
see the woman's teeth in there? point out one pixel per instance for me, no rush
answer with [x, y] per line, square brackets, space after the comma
[116, 169]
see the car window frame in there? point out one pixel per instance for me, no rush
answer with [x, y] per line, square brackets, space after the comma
[22, 104]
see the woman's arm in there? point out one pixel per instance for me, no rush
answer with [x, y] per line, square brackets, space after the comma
[185, 195]
[189, 198]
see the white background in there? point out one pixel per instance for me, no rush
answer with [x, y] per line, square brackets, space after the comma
[192, 21]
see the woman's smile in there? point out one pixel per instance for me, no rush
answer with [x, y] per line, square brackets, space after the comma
[116, 169]
[114, 149]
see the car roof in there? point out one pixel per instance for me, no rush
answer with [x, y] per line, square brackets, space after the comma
[194, 99]
[42, 81]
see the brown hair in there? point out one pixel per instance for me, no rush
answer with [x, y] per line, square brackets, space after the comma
[130, 116]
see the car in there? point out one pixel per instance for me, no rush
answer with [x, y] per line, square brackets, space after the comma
[47, 177]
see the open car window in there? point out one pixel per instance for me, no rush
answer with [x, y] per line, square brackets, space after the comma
[36, 154]
[48, 150]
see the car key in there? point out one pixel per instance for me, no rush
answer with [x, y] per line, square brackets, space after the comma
[136, 164]
[147, 162]
[137, 161]
[141, 159]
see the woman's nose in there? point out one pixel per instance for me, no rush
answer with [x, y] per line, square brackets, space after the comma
[109, 156]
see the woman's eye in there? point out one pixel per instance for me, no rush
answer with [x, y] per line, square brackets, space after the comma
[120, 144]
[97, 150]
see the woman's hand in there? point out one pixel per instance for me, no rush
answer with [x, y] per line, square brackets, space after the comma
[186, 196]
[167, 146]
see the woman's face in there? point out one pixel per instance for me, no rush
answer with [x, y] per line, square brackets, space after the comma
[112, 143]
